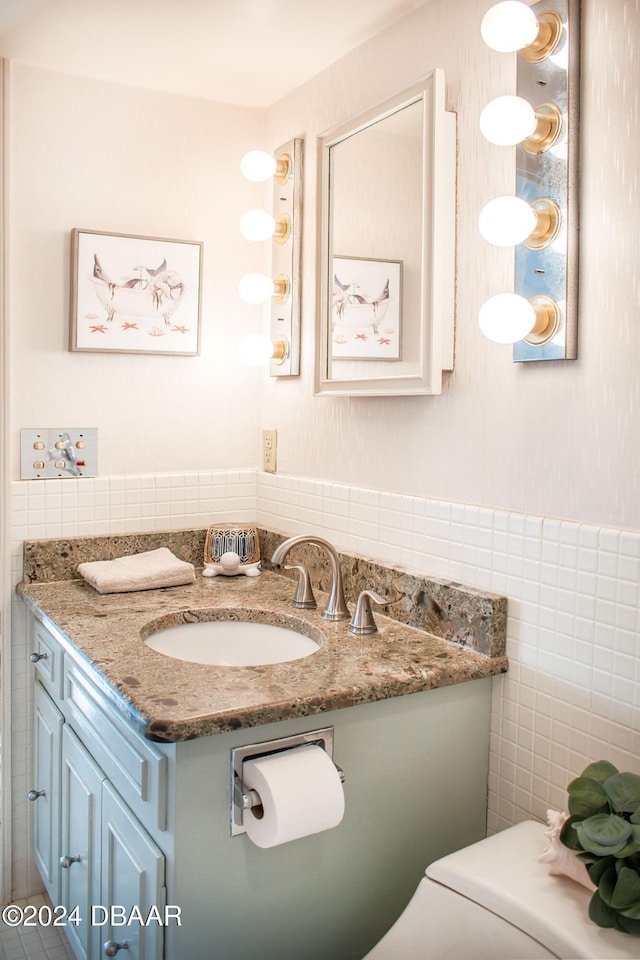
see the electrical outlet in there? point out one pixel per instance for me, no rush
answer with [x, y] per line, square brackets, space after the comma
[269, 450]
[58, 452]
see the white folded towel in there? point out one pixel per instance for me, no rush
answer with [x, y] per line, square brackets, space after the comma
[143, 571]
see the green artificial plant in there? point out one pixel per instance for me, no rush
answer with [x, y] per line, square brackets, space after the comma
[604, 830]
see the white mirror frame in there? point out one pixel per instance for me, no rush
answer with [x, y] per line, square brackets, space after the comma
[436, 346]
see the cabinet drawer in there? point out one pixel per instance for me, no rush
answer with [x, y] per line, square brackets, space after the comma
[136, 768]
[49, 666]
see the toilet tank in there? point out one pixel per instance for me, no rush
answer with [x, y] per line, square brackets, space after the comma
[494, 901]
[502, 875]
[440, 924]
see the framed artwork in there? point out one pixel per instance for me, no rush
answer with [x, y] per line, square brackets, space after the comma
[135, 294]
[366, 309]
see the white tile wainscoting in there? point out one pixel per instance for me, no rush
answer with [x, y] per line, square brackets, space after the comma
[572, 693]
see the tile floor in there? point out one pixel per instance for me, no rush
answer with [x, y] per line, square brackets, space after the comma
[33, 943]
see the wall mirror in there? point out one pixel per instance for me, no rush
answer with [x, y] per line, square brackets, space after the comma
[386, 247]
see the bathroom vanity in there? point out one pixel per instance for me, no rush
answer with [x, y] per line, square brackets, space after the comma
[133, 779]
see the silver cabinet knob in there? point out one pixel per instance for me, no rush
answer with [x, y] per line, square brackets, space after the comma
[36, 657]
[34, 794]
[111, 947]
[65, 862]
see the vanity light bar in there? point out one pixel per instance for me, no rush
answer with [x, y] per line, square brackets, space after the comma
[281, 349]
[286, 259]
[551, 272]
[546, 112]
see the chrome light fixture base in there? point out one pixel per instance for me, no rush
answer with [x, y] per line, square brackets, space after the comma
[548, 271]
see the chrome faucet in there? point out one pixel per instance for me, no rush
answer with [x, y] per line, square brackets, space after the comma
[337, 607]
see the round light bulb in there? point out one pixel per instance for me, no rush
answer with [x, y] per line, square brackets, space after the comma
[506, 121]
[509, 26]
[506, 318]
[257, 225]
[506, 221]
[256, 288]
[258, 166]
[255, 349]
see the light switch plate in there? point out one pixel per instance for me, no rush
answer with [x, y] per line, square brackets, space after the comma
[58, 452]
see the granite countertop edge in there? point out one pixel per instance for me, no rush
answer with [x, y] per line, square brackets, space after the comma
[169, 700]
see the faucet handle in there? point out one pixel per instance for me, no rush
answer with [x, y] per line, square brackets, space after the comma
[362, 621]
[304, 598]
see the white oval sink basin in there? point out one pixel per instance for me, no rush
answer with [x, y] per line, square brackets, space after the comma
[232, 643]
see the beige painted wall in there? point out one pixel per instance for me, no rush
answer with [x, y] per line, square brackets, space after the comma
[553, 439]
[110, 158]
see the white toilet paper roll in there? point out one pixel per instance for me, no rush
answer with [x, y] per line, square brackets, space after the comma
[301, 794]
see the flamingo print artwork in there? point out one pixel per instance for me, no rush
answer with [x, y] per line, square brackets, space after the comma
[135, 294]
[150, 293]
[365, 309]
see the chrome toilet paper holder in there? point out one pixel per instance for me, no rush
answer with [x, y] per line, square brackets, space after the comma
[244, 799]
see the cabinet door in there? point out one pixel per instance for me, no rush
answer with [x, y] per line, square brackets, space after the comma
[81, 799]
[132, 880]
[45, 791]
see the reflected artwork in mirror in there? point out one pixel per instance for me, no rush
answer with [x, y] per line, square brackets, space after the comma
[386, 240]
[365, 309]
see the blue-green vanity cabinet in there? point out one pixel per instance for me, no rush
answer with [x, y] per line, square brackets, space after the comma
[152, 821]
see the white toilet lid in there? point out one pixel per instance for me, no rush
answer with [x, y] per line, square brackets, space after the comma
[502, 874]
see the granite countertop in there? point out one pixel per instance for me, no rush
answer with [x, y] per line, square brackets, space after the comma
[171, 700]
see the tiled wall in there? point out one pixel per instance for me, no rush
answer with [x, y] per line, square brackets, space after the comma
[572, 693]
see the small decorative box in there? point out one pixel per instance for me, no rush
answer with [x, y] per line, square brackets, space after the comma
[231, 549]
